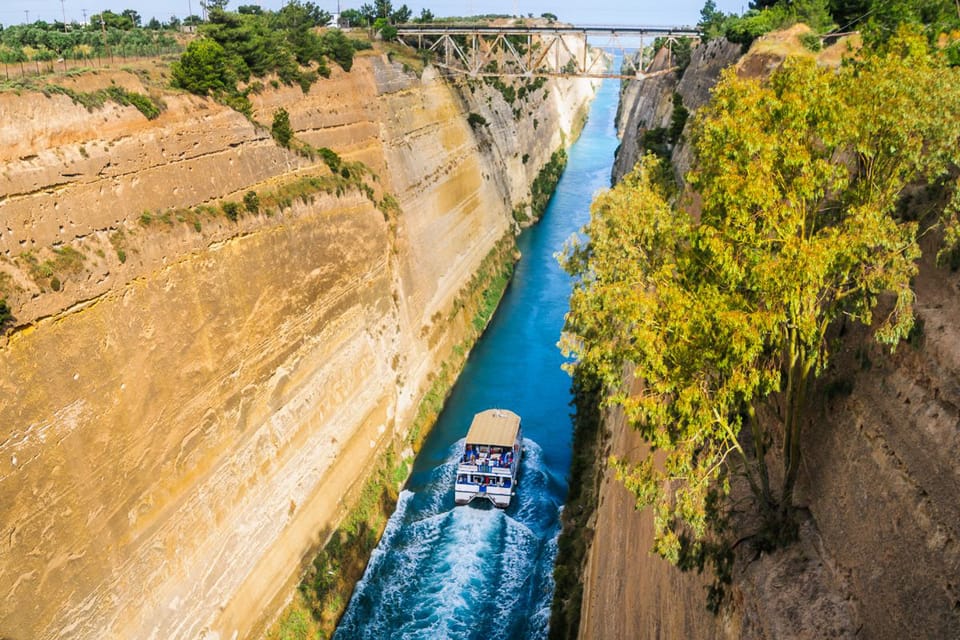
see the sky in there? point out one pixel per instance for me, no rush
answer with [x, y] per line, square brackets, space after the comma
[580, 12]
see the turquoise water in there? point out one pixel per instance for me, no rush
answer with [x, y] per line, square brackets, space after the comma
[446, 572]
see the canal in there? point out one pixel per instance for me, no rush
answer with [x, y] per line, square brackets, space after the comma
[442, 571]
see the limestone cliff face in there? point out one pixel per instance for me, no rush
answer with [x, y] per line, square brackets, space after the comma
[184, 398]
[648, 104]
[878, 556]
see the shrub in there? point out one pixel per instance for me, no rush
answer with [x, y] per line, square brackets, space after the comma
[331, 158]
[476, 120]
[281, 130]
[338, 47]
[6, 316]
[231, 209]
[251, 201]
[811, 41]
[203, 69]
[678, 119]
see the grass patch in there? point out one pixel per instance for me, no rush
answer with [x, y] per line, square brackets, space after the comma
[546, 181]
[323, 592]
[64, 261]
[149, 107]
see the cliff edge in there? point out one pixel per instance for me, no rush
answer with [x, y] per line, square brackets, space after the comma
[214, 337]
[877, 554]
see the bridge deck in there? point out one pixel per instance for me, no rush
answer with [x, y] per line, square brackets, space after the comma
[479, 50]
[598, 30]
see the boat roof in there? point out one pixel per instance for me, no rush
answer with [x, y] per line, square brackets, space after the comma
[496, 427]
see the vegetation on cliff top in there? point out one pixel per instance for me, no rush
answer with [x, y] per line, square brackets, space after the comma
[799, 177]
[238, 46]
[877, 20]
[118, 35]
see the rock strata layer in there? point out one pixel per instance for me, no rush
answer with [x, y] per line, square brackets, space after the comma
[185, 398]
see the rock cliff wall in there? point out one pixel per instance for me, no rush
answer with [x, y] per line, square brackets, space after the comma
[186, 398]
[878, 556]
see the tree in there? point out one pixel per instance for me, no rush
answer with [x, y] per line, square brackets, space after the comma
[250, 9]
[203, 69]
[351, 18]
[549, 17]
[111, 20]
[401, 15]
[425, 16]
[799, 178]
[386, 30]
[382, 9]
[132, 16]
[280, 129]
[339, 47]
[214, 5]
[369, 13]
[711, 20]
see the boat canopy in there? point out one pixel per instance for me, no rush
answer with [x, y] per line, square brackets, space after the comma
[494, 427]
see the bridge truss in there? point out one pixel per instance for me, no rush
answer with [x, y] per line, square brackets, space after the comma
[481, 51]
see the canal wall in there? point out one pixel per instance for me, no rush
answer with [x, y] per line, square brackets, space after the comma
[214, 338]
[877, 555]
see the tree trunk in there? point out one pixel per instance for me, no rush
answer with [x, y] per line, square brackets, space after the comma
[798, 380]
[760, 448]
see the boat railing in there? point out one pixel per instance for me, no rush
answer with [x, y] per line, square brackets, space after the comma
[505, 482]
[499, 461]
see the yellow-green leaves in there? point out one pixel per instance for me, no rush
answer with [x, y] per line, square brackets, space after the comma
[690, 320]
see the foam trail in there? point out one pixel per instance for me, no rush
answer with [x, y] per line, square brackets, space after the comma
[463, 572]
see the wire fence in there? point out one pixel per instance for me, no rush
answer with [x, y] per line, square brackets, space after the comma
[117, 57]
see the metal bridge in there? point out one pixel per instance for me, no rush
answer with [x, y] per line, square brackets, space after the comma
[525, 51]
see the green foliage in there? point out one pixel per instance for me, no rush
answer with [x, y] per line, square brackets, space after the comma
[6, 315]
[678, 119]
[238, 46]
[546, 181]
[764, 17]
[338, 47]
[280, 129]
[251, 202]
[341, 562]
[476, 120]
[508, 91]
[799, 177]
[42, 41]
[231, 210]
[586, 470]
[96, 99]
[811, 41]
[204, 69]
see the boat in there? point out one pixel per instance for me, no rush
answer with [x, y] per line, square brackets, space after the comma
[490, 462]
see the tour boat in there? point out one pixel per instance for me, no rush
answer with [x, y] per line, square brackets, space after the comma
[491, 458]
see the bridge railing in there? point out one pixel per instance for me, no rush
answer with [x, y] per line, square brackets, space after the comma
[542, 50]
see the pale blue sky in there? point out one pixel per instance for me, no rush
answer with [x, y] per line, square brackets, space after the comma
[605, 12]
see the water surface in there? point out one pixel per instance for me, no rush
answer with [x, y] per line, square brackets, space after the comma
[445, 572]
